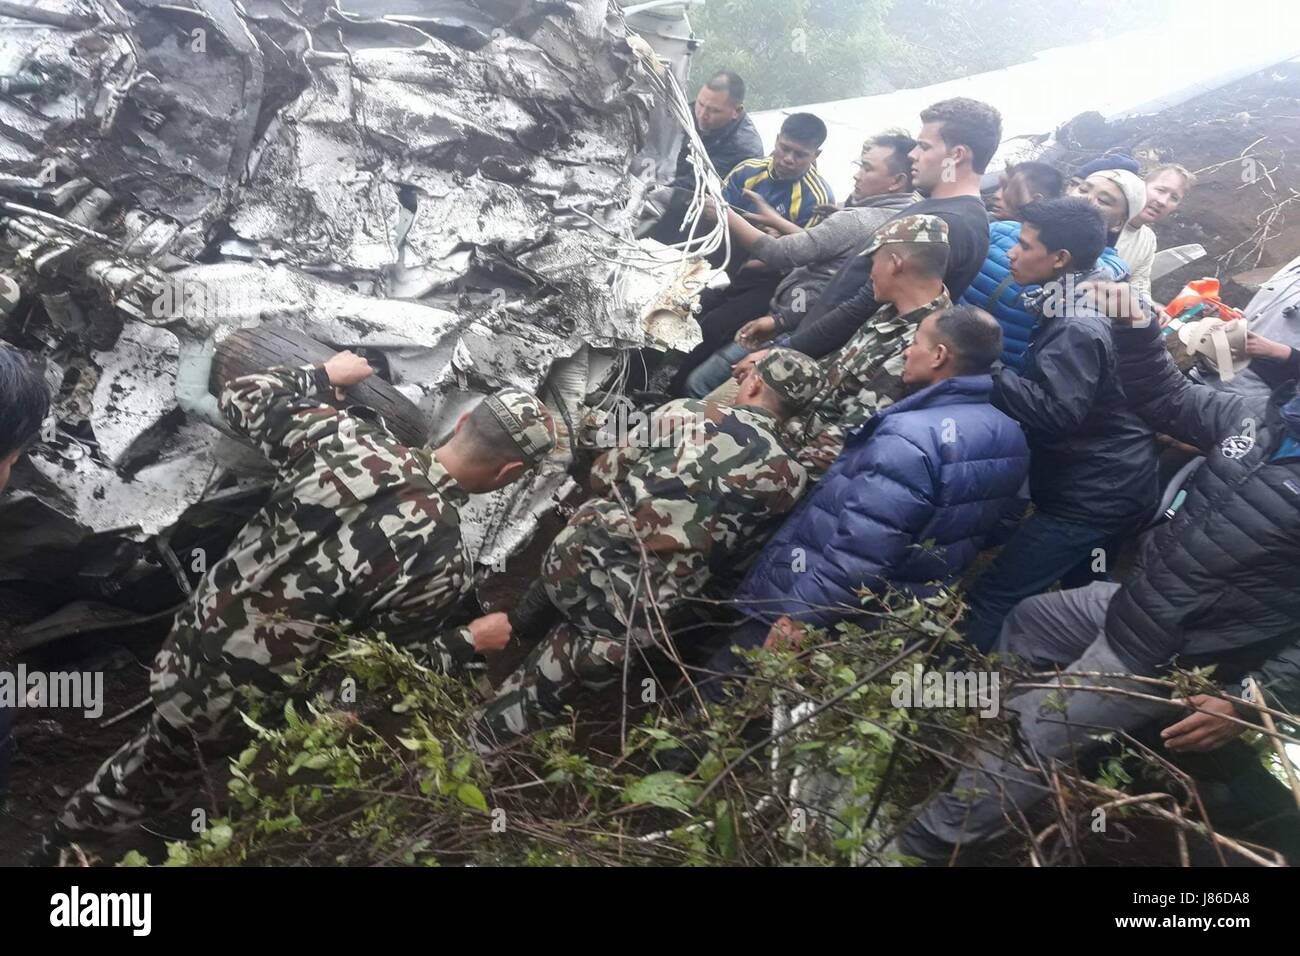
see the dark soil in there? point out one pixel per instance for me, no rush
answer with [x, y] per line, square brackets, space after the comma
[58, 750]
[1243, 142]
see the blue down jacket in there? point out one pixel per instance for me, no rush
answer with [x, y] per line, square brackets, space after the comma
[916, 494]
[1009, 308]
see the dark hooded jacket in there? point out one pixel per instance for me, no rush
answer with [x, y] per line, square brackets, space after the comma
[1220, 583]
[1093, 459]
[733, 144]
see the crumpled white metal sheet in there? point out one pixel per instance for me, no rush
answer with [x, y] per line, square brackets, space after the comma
[451, 183]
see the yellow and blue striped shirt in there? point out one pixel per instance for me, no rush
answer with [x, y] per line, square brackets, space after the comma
[795, 199]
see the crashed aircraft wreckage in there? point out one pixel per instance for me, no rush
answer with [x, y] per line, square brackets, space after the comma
[448, 187]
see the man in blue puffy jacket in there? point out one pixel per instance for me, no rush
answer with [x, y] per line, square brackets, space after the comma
[917, 493]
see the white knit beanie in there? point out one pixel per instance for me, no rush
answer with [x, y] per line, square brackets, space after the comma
[1134, 190]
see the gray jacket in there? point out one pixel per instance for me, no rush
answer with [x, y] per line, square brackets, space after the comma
[813, 256]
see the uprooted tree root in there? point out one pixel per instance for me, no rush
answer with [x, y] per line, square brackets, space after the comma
[392, 778]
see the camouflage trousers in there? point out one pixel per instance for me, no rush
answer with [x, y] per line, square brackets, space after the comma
[584, 652]
[149, 775]
[195, 724]
[565, 664]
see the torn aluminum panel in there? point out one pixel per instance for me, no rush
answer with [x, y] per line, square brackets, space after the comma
[448, 184]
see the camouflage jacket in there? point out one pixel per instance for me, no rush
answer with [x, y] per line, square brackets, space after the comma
[862, 377]
[361, 534]
[698, 493]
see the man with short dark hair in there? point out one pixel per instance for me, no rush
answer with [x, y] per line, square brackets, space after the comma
[918, 491]
[957, 139]
[1093, 475]
[24, 403]
[908, 258]
[728, 134]
[750, 313]
[956, 341]
[361, 534]
[787, 181]
[1022, 184]
[994, 289]
[729, 137]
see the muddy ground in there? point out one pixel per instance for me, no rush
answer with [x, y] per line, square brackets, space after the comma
[1242, 140]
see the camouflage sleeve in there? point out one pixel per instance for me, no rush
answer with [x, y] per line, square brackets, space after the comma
[449, 652]
[751, 499]
[613, 467]
[818, 452]
[279, 410]
[715, 491]
[432, 586]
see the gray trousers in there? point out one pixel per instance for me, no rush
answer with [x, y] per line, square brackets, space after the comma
[1059, 629]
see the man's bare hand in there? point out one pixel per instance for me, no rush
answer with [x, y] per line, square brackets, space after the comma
[1204, 730]
[1117, 300]
[761, 206]
[756, 331]
[491, 632]
[347, 368]
[763, 215]
[1259, 347]
[785, 635]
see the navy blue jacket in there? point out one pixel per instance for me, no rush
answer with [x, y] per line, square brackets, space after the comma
[916, 494]
[1009, 305]
[1094, 457]
[727, 147]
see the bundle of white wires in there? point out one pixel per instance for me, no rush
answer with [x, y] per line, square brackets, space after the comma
[708, 186]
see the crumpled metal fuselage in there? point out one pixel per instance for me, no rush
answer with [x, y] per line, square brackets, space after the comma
[445, 183]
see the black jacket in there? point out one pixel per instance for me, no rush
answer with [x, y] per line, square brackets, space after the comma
[1220, 583]
[1092, 459]
[734, 143]
[848, 299]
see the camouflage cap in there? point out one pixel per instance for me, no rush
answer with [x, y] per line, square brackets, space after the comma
[525, 419]
[792, 375]
[909, 229]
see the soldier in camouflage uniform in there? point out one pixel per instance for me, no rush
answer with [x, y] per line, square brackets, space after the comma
[909, 256]
[361, 535]
[672, 514]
